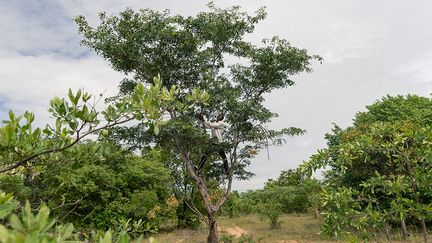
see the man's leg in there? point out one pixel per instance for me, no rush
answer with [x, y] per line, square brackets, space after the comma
[224, 159]
[203, 160]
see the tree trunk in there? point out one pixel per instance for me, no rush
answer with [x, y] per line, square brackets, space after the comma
[404, 230]
[425, 232]
[386, 229]
[203, 190]
[317, 213]
[213, 233]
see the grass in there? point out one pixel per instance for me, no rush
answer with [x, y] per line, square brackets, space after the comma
[299, 228]
[294, 229]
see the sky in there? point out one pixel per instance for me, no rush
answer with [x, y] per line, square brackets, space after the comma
[370, 49]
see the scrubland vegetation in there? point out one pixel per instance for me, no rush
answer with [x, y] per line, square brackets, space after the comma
[164, 178]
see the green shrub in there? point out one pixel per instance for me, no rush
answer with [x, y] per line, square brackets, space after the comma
[98, 184]
[15, 184]
[270, 210]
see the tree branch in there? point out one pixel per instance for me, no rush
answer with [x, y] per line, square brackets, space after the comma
[75, 141]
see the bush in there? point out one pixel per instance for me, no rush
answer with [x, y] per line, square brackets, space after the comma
[40, 228]
[15, 184]
[271, 210]
[98, 184]
[231, 207]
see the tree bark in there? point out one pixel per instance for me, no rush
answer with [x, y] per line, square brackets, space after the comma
[202, 188]
[425, 231]
[213, 233]
[404, 230]
[386, 229]
[317, 213]
[200, 181]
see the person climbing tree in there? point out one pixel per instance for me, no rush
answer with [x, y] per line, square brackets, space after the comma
[216, 143]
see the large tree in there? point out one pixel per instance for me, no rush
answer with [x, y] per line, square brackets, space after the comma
[191, 52]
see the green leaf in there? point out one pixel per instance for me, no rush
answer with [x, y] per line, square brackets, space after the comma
[29, 117]
[16, 223]
[11, 115]
[124, 238]
[41, 219]
[78, 96]
[85, 112]
[86, 96]
[58, 125]
[8, 132]
[27, 215]
[36, 133]
[33, 236]
[107, 238]
[4, 234]
[64, 232]
[92, 115]
[71, 96]
[7, 208]
[156, 129]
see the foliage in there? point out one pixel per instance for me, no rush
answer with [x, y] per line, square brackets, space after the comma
[97, 184]
[289, 177]
[82, 186]
[272, 210]
[410, 108]
[40, 228]
[77, 118]
[379, 168]
[189, 53]
[272, 202]
[7, 204]
[231, 207]
[342, 213]
[300, 190]
[15, 184]
[187, 216]
[291, 192]
[34, 228]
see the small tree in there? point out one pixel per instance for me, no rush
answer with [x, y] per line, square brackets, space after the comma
[270, 210]
[269, 206]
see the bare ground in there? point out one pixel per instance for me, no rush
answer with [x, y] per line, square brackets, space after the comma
[234, 230]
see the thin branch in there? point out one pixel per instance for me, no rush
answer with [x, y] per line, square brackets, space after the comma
[75, 141]
[194, 209]
[67, 204]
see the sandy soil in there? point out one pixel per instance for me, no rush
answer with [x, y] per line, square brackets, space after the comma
[235, 231]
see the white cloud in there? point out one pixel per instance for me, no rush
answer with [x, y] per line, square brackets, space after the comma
[28, 83]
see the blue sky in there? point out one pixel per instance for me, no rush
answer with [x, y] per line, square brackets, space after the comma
[370, 49]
